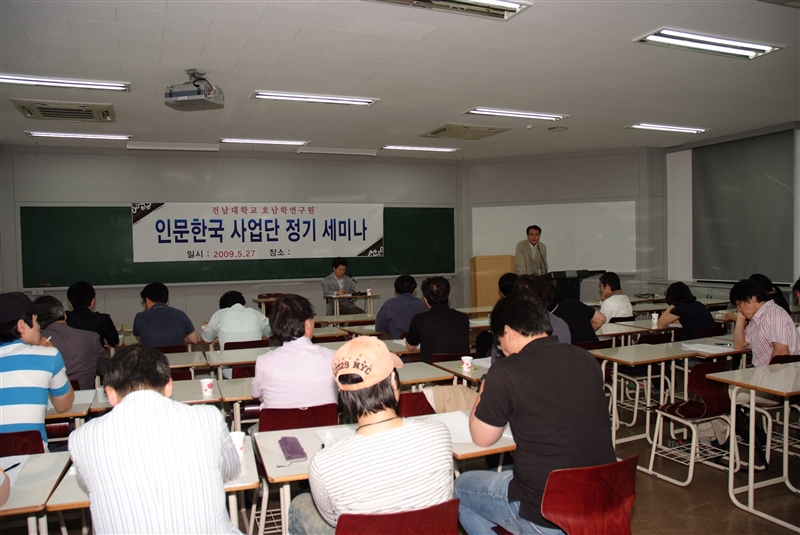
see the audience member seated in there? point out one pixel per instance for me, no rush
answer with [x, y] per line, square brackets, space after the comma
[153, 465]
[337, 283]
[395, 315]
[581, 319]
[81, 297]
[485, 342]
[538, 288]
[533, 389]
[29, 372]
[615, 303]
[234, 322]
[84, 356]
[297, 374]
[160, 325]
[389, 465]
[684, 307]
[773, 292]
[441, 329]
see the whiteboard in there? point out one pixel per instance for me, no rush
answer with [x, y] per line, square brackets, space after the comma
[596, 235]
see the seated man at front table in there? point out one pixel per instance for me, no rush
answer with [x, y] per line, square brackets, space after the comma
[29, 372]
[297, 374]
[234, 322]
[395, 315]
[337, 283]
[770, 331]
[153, 465]
[390, 464]
[530, 256]
[160, 325]
[441, 329]
[615, 303]
[83, 355]
[81, 297]
[552, 394]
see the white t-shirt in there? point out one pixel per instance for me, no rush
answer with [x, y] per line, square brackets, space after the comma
[236, 324]
[404, 469]
[616, 306]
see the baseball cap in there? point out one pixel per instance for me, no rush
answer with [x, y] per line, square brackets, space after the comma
[366, 357]
[15, 305]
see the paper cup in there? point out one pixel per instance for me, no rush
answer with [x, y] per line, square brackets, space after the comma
[238, 441]
[466, 363]
[207, 386]
[369, 291]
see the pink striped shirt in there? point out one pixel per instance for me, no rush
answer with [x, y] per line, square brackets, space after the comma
[771, 324]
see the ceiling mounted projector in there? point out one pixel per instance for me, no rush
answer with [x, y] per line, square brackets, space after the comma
[197, 95]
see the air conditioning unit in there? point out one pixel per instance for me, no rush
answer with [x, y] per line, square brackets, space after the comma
[56, 110]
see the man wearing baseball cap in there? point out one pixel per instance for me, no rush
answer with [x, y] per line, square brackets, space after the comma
[29, 371]
[389, 465]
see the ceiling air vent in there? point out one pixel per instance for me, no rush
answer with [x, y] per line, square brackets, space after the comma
[55, 110]
[470, 132]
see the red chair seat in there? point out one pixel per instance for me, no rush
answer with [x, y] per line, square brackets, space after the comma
[21, 443]
[413, 404]
[439, 519]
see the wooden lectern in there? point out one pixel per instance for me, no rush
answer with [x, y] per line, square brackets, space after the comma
[485, 271]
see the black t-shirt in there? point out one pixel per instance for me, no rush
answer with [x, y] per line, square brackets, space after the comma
[552, 394]
[578, 318]
[694, 316]
[439, 330]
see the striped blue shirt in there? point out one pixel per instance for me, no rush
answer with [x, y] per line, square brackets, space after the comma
[28, 374]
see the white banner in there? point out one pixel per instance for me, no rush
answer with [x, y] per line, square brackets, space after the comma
[170, 232]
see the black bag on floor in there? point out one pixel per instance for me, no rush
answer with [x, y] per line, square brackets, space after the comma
[743, 430]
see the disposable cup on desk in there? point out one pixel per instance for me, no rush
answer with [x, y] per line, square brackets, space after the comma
[466, 363]
[238, 441]
[207, 386]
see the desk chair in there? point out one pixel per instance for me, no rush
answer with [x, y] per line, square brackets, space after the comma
[277, 420]
[184, 374]
[413, 404]
[21, 443]
[714, 403]
[247, 345]
[172, 349]
[439, 519]
[330, 338]
[597, 499]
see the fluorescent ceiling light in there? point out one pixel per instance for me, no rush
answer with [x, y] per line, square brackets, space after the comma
[517, 113]
[426, 149]
[160, 145]
[263, 141]
[64, 82]
[334, 150]
[711, 45]
[303, 97]
[77, 136]
[493, 9]
[668, 128]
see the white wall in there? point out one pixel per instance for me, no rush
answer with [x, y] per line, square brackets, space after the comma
[679, 215]
[81, 177]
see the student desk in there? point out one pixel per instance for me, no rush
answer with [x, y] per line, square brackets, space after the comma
[362, 330]
[647, 325]
[328, 334]
[397, 347]
[647, 308]
[33, 487]
[367, 301]
[619, 332]
[190, 392]
[632, 356]
[262, 303]
[473, 376]
[280, 472]
[417, 373]
[358, 319]
[780, 380]
[722, 349]
[477, 311]
[234, 357]
[70, 495]
[479, 324]
[187, 360]
[235, 391]
[80, 408]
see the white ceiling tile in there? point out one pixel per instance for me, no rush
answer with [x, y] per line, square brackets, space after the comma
[99, 54]
[477, 39]
[310, 61]
[259, 42]
[25, 21]
[378, 66]
[10, 33]
[272, 30]
[412, 45]
[143, 5]
[359, 52]
[196, 62]
[69, 10]
[16, 47]
[215, 51]
[258, 69]
[390, 27]
[322, 35]
[280, 14]
[183, 21]
[284, 69]
[123, 31]
[75, 66]
[102, 70]
[230, 10]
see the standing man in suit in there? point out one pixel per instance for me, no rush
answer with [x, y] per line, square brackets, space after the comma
[531, 254]
[337, 283]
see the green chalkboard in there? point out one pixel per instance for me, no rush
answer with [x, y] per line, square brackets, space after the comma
[61, 245]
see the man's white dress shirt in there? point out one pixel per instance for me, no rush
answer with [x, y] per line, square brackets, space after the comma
[236, 324]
